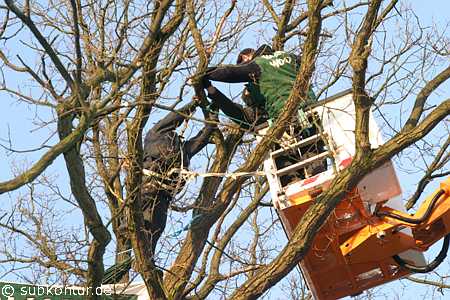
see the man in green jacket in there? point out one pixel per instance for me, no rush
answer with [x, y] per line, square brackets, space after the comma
[270, 77]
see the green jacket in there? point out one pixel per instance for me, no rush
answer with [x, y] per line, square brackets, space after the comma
[278, 73]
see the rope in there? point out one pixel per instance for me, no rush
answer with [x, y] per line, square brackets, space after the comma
[186, 227]
[191, 174]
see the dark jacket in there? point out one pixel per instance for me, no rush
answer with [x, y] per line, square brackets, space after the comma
[247, 117]
[248, 72]
[164, 150]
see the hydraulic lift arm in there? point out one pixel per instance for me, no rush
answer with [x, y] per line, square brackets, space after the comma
[432, 224]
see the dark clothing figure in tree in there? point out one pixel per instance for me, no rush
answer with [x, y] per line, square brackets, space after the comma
[164, 154]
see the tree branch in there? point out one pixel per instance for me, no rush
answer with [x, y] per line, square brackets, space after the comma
[41, 39]
[47, 159]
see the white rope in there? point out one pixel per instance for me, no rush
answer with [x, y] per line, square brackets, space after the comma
[159, 184]
[192, 175]
[233, 175]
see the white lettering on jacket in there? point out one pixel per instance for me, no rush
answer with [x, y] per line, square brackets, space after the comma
[276, 62]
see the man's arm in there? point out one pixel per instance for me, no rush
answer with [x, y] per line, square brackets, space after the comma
[234, 111]
[234, 73]
[198, 142]
[173, 119]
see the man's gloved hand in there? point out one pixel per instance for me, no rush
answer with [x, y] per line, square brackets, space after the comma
[206, 83]
[196, 100]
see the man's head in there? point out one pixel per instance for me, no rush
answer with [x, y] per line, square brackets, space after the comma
[245, 56]
[248, 54]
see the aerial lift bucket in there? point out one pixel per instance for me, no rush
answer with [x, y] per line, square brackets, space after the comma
[363, 240]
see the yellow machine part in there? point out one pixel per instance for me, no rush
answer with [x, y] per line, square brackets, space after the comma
[353, 251]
